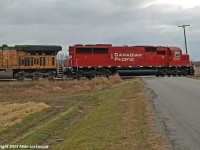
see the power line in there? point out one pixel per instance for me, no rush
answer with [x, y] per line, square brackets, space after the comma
[184, 26]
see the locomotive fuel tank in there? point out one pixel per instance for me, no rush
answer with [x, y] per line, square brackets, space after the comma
[6, 74]
[137, 72]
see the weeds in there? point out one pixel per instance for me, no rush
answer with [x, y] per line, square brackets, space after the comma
[17, 91]
[84, 114]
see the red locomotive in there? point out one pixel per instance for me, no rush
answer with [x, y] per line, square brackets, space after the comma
[105, 60]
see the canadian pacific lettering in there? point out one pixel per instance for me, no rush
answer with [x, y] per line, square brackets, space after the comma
[125, 56]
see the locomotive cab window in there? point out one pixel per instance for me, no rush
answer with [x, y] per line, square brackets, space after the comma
[100, 50]
[83, 50]
[177, 54]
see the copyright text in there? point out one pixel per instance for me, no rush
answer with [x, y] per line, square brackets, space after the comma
[24, 146]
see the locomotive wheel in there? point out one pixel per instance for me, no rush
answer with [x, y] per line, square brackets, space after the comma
[184, 73]
[162, 75]
[174, 74]
[78, 75]
[50, 78]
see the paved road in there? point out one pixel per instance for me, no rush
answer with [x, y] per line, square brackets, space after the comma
[177, 106]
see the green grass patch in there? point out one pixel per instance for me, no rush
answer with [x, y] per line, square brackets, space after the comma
[42, 132]
[113, 118]
[19, 128]
[101, 126]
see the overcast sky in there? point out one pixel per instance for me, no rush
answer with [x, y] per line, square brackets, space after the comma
[118, 22]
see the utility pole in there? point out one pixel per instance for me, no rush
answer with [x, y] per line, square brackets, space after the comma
[184, 26]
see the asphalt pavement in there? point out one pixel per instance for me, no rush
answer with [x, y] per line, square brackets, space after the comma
[176, 101]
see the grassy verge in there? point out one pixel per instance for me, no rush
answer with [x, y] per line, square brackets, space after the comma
[9, 134]
[42, 132]
[121, 121]
[115, 117]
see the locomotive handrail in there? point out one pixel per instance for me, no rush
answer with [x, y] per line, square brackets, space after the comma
[77, 64]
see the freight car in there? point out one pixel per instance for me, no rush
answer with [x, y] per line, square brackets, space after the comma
[28, 61]
[105, 60]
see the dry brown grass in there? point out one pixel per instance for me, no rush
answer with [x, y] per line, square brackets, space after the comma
[15, 97]
[135, 109]
[15, 112]
[18, 91]
[197, 71]
[120, 115]
[123, 121]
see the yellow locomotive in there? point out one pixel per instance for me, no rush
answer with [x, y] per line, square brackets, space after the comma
[28, 61]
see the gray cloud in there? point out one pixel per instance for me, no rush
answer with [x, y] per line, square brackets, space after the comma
[119, 22]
